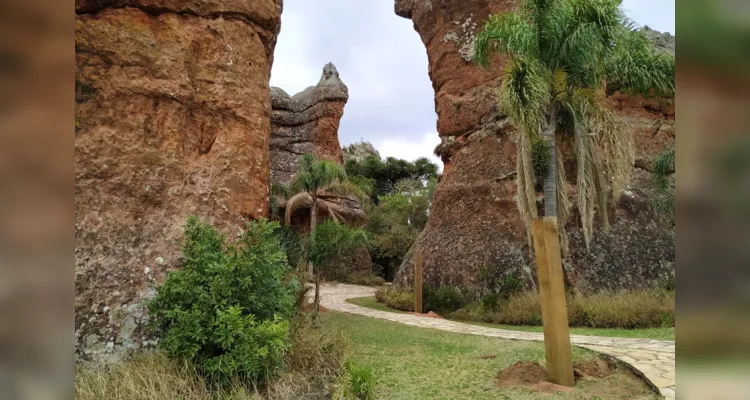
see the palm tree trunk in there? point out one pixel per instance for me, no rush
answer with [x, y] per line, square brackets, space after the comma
[313, 224]
[550, 181]
[316, 302]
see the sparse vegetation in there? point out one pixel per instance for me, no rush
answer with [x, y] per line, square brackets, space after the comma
[625, 310]
[315, 362]
[413, 363]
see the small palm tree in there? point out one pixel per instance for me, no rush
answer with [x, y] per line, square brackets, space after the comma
[316, 185]
[562, 54]
[327, 241]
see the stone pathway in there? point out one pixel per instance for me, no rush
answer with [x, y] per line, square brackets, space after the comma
[652, 359]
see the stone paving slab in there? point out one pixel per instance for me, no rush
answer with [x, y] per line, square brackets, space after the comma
[651, 359]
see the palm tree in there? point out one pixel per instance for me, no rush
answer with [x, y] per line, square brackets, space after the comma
[317, 184]
[327, 241]
[562, 54]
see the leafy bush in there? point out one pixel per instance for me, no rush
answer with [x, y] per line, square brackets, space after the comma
[444, 299]
[441, 300]
[396, 298]
[225, 310]
[363, 279]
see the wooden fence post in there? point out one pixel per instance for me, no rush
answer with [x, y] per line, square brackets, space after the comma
[418, 281]
[552, 299]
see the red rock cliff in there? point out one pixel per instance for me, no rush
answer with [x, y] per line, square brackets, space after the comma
[172, 119]
[474, 222]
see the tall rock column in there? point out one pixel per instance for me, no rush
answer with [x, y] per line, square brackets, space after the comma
[474, 222]
[308, 122]
[473, 219]
[172, 120]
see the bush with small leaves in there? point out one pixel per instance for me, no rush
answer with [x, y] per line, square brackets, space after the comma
[226, 308]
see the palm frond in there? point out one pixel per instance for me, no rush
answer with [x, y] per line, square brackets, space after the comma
[525, 93]
[345, 188]
[507, 34]
[299, 200]
[525, 191]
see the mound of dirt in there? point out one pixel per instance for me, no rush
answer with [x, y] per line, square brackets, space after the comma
[309, 308]
[530, 375]
[428, 315]
[596, 368]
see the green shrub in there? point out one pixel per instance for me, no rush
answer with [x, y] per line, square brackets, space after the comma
[396, 298]
[367, 279]
[444, 299]
[225, 310]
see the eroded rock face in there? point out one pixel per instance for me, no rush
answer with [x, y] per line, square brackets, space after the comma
[474, 222]
[307, 122]
[172, 120]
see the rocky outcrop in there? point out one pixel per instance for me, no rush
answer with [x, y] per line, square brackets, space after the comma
[359, 152]
[172, 120]
[474, 222]
[307, 122]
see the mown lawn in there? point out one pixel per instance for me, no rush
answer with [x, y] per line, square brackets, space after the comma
[418, 363]
[644, 333]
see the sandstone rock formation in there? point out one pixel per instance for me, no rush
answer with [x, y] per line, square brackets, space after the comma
[172, 119]
[307, 122]
[474, 221]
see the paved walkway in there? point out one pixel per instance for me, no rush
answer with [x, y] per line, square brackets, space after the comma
[653, 359]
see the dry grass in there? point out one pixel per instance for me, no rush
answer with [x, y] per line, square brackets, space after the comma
[151, 376]
[399, 299]
[625, 310]
[315, 363]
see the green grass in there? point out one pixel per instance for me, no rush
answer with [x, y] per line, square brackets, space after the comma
[642, 333]
[418, 363]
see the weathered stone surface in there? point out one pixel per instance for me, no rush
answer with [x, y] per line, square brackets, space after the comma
[307, 122]
[474, 221]
[172, 120]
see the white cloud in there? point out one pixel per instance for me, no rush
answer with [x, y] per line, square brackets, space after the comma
[410, 147]
[657, 14]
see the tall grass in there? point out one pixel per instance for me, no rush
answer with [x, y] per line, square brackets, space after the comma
[627, 310]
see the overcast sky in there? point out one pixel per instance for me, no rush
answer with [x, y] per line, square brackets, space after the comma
[384, 63]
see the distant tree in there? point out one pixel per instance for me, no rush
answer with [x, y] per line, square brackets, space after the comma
[382, 176]
[396, 221]
[327, 242]
[316, 184]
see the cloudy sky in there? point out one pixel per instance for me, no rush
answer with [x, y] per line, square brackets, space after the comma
[384, 63]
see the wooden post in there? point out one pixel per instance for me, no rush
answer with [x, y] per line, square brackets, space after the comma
[552, 299]
[418, 281]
